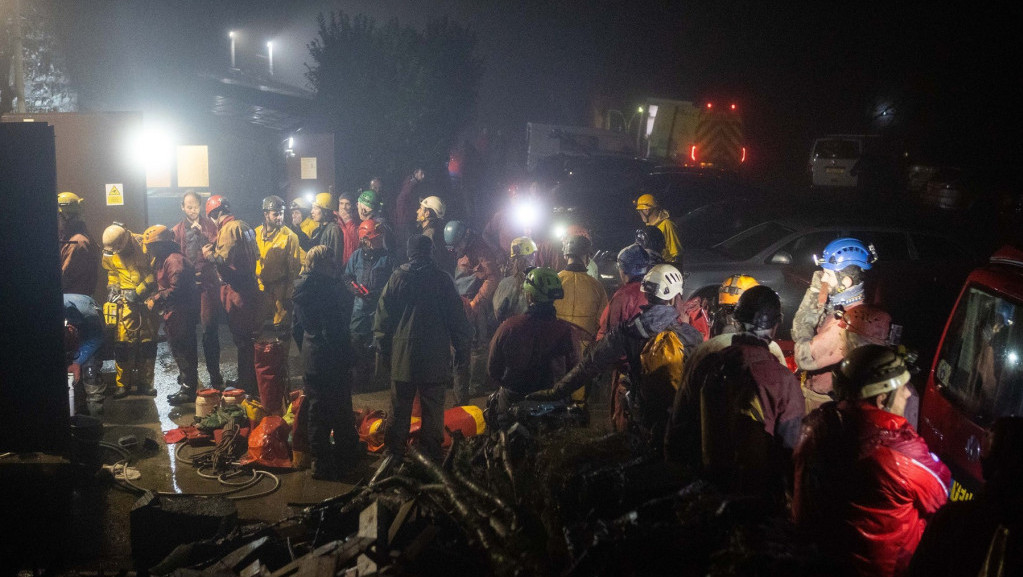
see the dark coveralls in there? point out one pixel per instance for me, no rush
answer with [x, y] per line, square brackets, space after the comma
[176, 301]
[322, 308]
[419, 319]
[191, 239]
[235, 257]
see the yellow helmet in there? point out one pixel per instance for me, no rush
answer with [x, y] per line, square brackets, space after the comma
[69, 203]
[646, 201]
[324, 201]
[115, 239]
[733, 287]
[522, 246]
[157, 233]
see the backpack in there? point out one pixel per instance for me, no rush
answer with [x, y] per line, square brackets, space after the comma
[661, 362]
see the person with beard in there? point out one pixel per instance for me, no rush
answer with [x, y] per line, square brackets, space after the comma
[278, 266]
[431, 222]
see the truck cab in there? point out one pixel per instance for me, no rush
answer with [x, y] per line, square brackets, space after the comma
[977, 373]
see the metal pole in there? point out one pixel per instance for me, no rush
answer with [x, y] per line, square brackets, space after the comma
[19, 70]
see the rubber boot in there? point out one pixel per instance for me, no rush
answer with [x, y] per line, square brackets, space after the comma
[121, 392]
[184, 395]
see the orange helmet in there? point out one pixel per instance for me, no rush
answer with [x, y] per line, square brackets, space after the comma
[215, 203]
[368, 229]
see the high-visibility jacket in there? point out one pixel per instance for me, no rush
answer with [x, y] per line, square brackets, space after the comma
[131, 270]
[279, 257]
[672, 243]
[584, 299]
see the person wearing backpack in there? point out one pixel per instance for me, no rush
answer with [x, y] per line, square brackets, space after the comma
[654, 343]
[737, 415]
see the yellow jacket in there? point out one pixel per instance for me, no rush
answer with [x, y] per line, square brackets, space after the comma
[132, 270]
[279, 257]
[672, 243]
[584, 299]
[308, 226]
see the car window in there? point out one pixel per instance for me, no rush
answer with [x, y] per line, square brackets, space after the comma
[803, 248]
[979, 367]
[748, 243]
[931, 247]
[837, 148]
[890, 245]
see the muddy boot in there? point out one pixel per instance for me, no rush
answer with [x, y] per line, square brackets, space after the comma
[121, 392]
[146, 390]
[184, 395]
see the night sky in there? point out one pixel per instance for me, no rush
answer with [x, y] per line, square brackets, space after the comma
[798, 71]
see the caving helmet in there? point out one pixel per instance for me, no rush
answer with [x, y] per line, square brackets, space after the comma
[324, 201]
[435, 204]
[759, 307]
[543, 285]
[216, 204]
[844, 252]
[869, 371]
[157, 233]
[369, 199]
[69, 204]
[733, 287]
[455, 232]
[634, 261]
[662, 281]
[301, 204]
[577, 246]
[273, 203]
[522, 246]
[115, 239]
[368, 229]
[646, 201]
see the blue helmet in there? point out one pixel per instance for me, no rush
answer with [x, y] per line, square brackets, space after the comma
[454, 232]
[844, 252]
[634, 261]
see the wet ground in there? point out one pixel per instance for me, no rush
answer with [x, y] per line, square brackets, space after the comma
[100, 527]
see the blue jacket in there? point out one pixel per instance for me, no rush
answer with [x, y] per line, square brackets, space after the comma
[370, 270]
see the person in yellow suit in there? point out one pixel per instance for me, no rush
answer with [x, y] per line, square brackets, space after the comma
[585, 298]
[278, 266]
[651, 213]
[302, 224]
[130, 281]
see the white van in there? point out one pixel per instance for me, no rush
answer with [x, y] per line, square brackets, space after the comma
[833, 159]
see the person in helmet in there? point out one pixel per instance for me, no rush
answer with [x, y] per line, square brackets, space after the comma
[585, 298]
[278, 266]
[662, 286]
[83, 314]
[533, 350]
[431, 223]
[865, 481]
[371, 206]
[194, 231]
[366, 274]
[130, 280]
[327, 231]
[176, 300]
[728, 296]
[419, 321]
[652, 214]
[79, 255]
[509, 298]
[737, 415]
[322, 306]
[476, 279]
[652, 239]
[235, 255]
[301, 222]
[837, 288]
[348, 221]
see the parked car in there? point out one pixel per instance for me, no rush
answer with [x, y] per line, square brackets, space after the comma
[977, 373]
[916, 273]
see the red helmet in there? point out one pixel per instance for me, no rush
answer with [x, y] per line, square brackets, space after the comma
[368, 229]
[214, 203]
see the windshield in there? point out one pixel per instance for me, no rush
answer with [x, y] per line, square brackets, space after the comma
[980, 367]
[749, 243]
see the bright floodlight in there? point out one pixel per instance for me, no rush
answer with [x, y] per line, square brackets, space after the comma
[230, 34]
[527, 214]
[152, 147]
[559, 231]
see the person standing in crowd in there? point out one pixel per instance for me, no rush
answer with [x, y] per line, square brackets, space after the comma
[838, 287]
[322, 308]
[130, 280]
[79, 256]
[235, 255]
[371, 207]
[648, 405]
[278, 266]
[407, 202]
[431, 221]
[349, 223]
[865, 481]
[327, 231]
[728, 296]
[476, 279]
[533, 350]
[194, 232]
[737, 415]
[366, 274]
[510, 297]
[301, 222]
[651, 213]
[175, 300]
[585, 298]
[82, 313]
[420, 320]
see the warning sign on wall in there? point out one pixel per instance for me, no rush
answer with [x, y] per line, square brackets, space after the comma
[115, 195]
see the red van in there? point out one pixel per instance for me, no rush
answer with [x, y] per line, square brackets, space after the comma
[977, 374]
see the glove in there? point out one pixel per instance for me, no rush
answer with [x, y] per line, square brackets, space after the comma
[113, 291]
[545, 395]
[130, 296]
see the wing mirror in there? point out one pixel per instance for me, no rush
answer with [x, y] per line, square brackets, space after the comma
[781, 257]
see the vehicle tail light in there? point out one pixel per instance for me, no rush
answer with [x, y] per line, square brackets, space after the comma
[710, 105]
[742, 157]
[692, 153]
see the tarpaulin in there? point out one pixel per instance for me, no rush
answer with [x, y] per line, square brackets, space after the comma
[268, 444]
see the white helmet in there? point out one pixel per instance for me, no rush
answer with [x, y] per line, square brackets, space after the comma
[663, 281]
[435, 204]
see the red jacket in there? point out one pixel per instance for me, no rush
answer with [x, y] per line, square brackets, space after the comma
[350, 230]
[206, 271]
[865, 485]
[625, 303]
[175, 281]
[532, 351]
